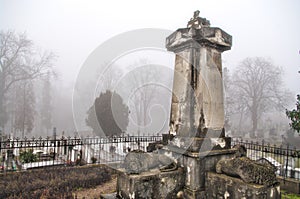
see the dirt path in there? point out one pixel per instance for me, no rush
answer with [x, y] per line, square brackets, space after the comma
[95, 192]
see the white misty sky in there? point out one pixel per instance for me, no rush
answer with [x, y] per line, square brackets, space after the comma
[73, 28]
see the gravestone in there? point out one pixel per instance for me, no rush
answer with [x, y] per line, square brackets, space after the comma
[198, 143]
[197, 107]
[197, 101]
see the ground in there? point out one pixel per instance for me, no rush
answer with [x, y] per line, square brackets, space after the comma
[286, 195]
[95, 192]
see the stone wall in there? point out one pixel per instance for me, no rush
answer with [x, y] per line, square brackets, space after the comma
[289, 185]
[222, 186]
[152, 184]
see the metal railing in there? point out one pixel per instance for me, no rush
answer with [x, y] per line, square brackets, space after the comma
[114, 149]
[21, 154]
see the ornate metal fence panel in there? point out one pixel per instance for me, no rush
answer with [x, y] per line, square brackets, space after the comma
[20, 154]
[112, 150]
[38, 143]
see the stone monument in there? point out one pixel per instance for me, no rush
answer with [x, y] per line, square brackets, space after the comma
[195, 163]
[197, 109]
[197, 102]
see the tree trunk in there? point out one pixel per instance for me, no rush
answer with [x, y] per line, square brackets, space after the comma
[240, 120]
[145, 118]
[3, 116]
[254, 121]
[24, 110]
[2, 112]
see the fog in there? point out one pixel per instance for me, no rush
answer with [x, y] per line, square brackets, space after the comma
[74, 29]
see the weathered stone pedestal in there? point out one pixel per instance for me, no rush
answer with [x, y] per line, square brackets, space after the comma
[223, 186]
[197, 164]
[151, 184]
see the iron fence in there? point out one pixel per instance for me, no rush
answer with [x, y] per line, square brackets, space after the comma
[21, 154]
[114, 149]
[285, 158]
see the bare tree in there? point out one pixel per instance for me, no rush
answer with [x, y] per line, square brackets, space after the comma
[228, 98]
[233, 106]
[258, 88]
[143, 94]
[147, 91]
[46, 108]
[109, 78]
[19, 61]
[25, 108]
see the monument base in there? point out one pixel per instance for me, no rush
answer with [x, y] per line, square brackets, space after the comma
[150, 184]
[223, 186]
[193, 194]
[196, 165]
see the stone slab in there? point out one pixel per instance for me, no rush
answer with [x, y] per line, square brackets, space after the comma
[197, 166]
[222, 186]
[151, 184]
[109, 196]
[196, 144]
[192, 194]
[290, 185]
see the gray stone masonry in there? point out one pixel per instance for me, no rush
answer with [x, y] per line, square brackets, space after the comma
[223, 186]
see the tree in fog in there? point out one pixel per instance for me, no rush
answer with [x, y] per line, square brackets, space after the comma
[104, 77]
[19, 62]
[24, 109]
[108, 115]
[231, 100]
[294, 116]
[46, 108]
[109, 78]
[146, 82]
[228, 98]
[258, 88]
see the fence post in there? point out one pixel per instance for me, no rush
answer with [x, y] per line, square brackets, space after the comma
[293, 159]
[287, 161]
[54, 151]
[263, 149]
[100, 149]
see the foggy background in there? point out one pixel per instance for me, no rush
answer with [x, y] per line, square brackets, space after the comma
[74, 29]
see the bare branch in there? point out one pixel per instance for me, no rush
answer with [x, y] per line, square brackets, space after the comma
[257, 85]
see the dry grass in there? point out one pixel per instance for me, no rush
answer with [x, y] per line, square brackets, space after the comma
[108, 187]
[53, 182]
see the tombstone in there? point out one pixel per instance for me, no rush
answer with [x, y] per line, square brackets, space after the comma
[197, 102]
[197, 107]
[198, 142]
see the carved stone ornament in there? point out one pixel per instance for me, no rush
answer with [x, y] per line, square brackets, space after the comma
[139, 161]
[248, 170]
[198, 22]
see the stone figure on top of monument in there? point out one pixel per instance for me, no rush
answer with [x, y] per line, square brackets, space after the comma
[198, 22]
